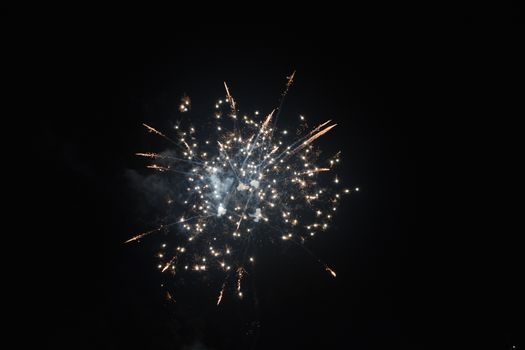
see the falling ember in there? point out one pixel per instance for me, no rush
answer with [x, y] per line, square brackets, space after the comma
[240, 182]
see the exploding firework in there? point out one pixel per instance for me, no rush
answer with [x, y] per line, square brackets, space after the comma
[244, 182]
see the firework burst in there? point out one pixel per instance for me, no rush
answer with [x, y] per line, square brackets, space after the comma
[246, 181]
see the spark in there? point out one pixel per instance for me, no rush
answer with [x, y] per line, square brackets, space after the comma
[332, 272]
[240, 272]
[219, 299]
[169, 297]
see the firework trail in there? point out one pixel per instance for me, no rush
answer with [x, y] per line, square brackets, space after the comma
[245, 182]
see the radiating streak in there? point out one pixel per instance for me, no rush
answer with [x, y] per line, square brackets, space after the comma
[244, 211]
[229, 162]
[265, 124]
[290, 81]
[140, 235]
[160, 156]
[318, 170]
[283, 96]
[149, 155]
[219, 299]
[319, 127]
[157, 167]
[155, 131]
[231, 101]
[300, 141]
[162, 169]
[169, 264]
[312, 139]
[328, 269]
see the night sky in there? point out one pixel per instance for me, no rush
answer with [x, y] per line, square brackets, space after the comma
[98, 75]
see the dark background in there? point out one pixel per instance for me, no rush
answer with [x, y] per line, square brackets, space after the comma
[90, 78]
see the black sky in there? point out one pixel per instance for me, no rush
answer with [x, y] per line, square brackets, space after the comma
[94, 76]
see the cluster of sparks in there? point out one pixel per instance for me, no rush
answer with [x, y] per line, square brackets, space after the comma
[248, 182]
